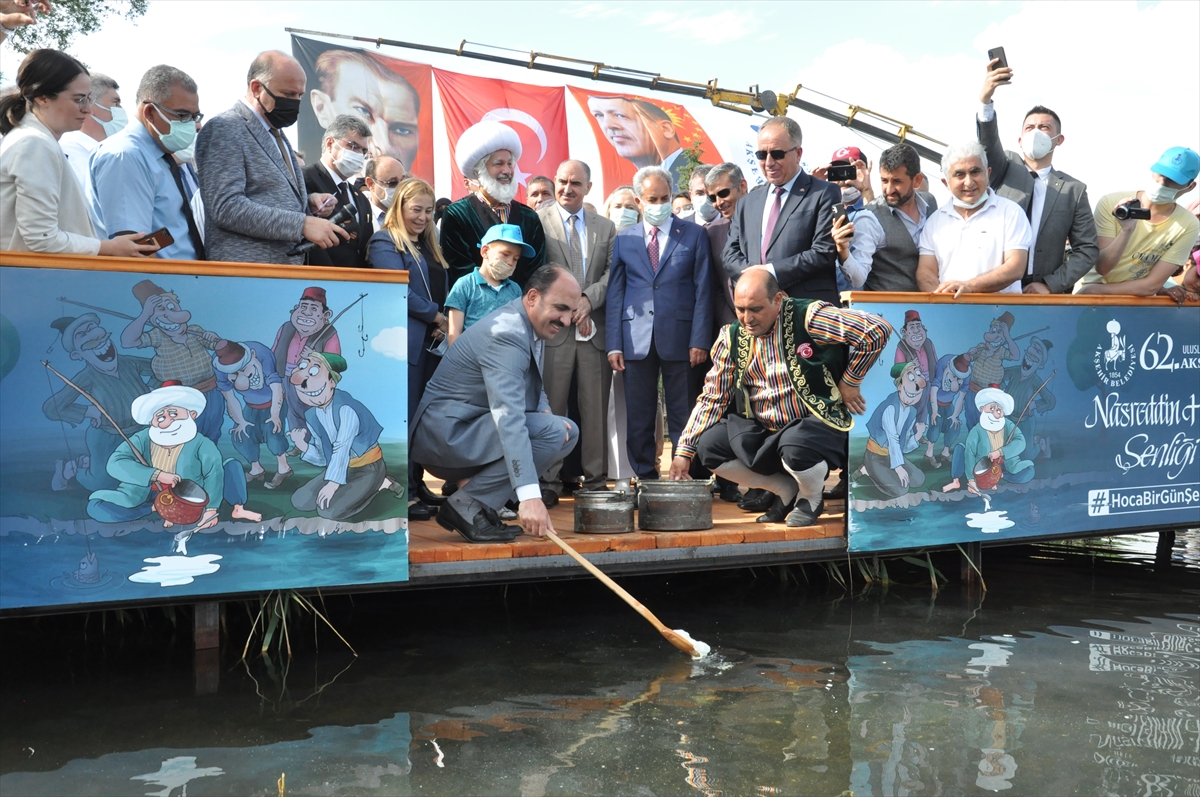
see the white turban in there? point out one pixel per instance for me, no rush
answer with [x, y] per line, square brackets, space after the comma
[990, 394]
[146, 405]
[481, 140]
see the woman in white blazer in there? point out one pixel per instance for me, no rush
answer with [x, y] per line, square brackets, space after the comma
[42, 207]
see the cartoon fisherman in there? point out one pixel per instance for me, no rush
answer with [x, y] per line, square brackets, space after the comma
[947, 398]
[307, 330]
[112, 379]
[995, 438]
[248, 370]
[1031, 393]
[181, 350]
[987, 359]
[167, 452]
[344, 441]
[915, 346]
[892, 430]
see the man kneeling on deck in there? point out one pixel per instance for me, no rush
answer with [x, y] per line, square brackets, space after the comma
[785, 367]
[484, 420]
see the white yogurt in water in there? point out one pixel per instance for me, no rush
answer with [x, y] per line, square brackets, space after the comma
[701, 649]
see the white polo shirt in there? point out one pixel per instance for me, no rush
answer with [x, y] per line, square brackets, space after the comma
[967, 248]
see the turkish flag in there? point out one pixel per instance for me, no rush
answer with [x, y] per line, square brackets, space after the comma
[538, 114]
[633, 131]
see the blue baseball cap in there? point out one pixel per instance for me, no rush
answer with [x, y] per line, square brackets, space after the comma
[1180, 165]
[509, 234]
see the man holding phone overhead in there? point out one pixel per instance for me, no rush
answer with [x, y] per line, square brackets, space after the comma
[1055, 203]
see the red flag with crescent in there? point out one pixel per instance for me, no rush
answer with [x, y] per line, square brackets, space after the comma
[633, 131]
[537, 113]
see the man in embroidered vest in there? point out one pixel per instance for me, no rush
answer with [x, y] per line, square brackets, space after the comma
[344, 441]
[786, 369]
[487, 155]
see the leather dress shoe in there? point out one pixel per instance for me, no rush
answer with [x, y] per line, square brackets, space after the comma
[777, 513]
[803, 514]
[838, 491]
[728, 492]
[449, 489]
[482, 529]
[423, 495]
[421, 511]
[549, 498]
[756, 500]
[495, 518]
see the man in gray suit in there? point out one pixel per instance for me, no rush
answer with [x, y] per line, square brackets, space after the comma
[1055, 202]
[256, 206]
[582, 240]
[484, 420]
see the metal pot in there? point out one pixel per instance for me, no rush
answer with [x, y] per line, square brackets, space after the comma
[604, 513]
[182, 504]
[988, 473]
[665, 505]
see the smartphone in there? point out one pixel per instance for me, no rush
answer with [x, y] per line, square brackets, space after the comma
[161, 237]
[836, 174]
[997, 53]
[839, 212]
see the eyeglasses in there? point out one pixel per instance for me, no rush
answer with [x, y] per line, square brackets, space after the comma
[183, 116]
[350, 145]
[724, 192]
[776, 154]
[389, 183]
[84, 101]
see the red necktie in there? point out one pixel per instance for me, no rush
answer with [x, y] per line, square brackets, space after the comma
[772, 217]
[652, 249]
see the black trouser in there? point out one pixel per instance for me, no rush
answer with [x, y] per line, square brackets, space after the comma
[799, 446]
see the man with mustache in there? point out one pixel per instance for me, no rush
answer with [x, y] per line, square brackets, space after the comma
[893, 434]
[308, 329]
[175, 451]
[248, 369]
[487, 155]
[114, 380]
[996, 438]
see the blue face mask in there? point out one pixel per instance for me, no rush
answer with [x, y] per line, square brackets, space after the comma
[181, 136]
[118, 121]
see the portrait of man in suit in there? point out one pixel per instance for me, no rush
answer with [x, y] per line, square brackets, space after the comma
[640, 131]
[343, 153]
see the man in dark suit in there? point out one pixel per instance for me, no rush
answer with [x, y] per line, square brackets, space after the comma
[1055, 202]
[659, 313]
[725, 185]
[786, 225]
[343, 154]
[256, 206]
[484, 420]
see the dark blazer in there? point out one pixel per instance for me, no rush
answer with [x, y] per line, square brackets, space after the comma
[422, 309]
[347, 254]
[598, 249]
[253, 210]
[672, 305]
[801, 248]
[1066, 213]
[722, 289]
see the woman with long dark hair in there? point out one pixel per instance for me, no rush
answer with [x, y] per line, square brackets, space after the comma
[408, 242]
[42, 207]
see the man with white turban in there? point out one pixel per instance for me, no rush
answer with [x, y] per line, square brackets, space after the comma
[176, 452]
[487, 155]
[994, 438]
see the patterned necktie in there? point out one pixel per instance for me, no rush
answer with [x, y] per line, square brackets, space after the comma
[772, 217]
[576, 251]
[652, 249]
[287, 158]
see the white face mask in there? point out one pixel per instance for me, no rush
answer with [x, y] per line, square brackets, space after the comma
[958, 203]
[850, 195]
[119, 119]
[704, 209]
[655, 215]
[188, 153]
[1036, 144]
[1159, 194]
[622, 217]
[389, 193]
[349, 163]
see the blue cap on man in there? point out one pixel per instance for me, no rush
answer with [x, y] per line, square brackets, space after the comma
[509, 234]
[1180, 165]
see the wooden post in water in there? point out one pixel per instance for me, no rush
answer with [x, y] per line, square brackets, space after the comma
[207, 639]
[971, 567]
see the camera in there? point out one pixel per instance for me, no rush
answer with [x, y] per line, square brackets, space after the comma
[1131, 210]
[837, 173]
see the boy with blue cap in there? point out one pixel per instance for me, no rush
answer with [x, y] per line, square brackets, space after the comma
[1138, 255]
[488, 286]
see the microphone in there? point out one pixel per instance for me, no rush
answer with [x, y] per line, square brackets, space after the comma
[343, 217]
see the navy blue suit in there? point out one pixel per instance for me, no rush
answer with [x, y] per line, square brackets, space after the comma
[653, 319]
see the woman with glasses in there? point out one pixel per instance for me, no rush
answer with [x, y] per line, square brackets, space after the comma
[42, 207]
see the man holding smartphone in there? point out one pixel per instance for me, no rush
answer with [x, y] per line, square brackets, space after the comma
[1055, 203]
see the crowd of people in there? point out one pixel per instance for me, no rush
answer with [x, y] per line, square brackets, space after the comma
[539, 324]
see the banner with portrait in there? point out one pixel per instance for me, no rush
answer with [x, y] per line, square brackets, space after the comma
[991, 423]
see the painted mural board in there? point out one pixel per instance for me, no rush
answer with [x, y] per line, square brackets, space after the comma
[991, 423]
[282, 399]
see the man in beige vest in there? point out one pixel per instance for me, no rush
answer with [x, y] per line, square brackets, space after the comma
[582, 242]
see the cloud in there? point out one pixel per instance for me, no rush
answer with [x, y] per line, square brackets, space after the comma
[392, 342]
[593, 10]
[719, 28]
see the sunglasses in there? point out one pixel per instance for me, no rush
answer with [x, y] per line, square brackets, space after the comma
[724, 192]
[776, 154]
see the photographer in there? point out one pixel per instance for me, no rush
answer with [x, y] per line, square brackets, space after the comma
[1145, 237]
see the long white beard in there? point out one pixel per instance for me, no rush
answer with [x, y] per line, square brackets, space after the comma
[176, 434]
[501, 192]
[991, 423]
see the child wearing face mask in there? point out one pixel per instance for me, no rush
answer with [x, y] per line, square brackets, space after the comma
[488, 286]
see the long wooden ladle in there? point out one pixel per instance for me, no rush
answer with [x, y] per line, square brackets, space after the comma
[686, 644]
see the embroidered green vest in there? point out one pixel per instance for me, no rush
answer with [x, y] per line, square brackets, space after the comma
[814, 377]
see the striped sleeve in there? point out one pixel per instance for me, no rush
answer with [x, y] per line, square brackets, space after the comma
[713, 399]
[864, 333]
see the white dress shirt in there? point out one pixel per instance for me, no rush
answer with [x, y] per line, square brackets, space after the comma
[1035, 210]
[580, 227]
[967, 248]
[663, 231]
[78, 146]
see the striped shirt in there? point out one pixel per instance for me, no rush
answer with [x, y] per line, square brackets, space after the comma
[773, 397]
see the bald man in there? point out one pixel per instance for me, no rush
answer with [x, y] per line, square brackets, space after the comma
[256, 205]
[790, 422]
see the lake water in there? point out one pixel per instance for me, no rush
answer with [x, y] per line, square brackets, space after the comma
[1078, 673]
